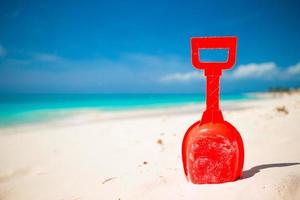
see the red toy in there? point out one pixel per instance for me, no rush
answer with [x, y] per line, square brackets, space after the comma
[212, 149]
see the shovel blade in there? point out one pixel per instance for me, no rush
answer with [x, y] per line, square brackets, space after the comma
[212, 153]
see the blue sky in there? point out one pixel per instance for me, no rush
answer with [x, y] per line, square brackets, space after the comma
[143, 46]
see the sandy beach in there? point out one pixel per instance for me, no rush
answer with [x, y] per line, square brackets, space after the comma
[134, 155]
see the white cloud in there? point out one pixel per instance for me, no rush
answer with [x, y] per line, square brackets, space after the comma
[32, 59]
[262, 71]
[2, 51]
[182, 77]
[294, 70]
[46, 57]
[253, 70]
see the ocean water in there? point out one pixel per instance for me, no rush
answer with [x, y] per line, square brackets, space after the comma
[27, 108]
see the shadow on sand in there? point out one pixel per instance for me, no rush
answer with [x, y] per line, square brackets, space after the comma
[254, 170]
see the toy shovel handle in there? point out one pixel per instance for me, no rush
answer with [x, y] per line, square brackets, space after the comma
[213, 68]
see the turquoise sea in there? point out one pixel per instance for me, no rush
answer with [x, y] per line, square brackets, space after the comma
[26, 108]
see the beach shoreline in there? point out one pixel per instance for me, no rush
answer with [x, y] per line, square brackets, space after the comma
[18, 109]
[55, 116]
[137, 154]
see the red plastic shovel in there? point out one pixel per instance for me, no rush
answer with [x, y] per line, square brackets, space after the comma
[212, 149]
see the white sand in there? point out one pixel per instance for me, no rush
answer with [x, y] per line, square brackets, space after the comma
[116, 155]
